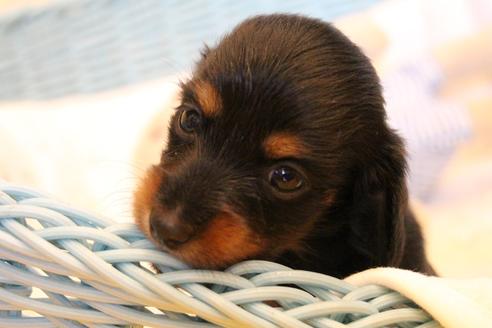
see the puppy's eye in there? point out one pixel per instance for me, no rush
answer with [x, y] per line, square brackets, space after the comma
[286, 179]
[190, 120]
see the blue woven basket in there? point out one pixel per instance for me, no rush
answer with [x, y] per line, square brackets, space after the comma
[88, 271]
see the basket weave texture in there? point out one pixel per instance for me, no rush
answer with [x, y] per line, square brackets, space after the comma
[61, 267]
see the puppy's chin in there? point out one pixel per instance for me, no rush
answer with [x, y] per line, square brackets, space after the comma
[225, 240]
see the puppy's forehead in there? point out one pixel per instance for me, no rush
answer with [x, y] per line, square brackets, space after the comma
[266, 121]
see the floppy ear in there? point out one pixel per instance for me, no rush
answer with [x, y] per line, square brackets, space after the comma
[377, 214]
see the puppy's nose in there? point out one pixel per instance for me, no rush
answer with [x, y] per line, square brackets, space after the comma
[169, 229]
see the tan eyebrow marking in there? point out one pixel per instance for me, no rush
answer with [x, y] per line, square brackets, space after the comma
[208, 97]
[283, 144]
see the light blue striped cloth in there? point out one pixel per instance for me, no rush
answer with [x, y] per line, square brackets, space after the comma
[84, 46]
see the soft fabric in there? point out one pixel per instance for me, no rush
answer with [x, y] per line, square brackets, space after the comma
[85, 46]
[455, 303]
[432, 127]
[82, 149]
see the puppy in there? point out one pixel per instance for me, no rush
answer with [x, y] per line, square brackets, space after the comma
[280, 151]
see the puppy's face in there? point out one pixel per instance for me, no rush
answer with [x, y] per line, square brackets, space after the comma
[262, 149]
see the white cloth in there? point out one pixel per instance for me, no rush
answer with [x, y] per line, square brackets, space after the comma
[82, 149]
[454, 303]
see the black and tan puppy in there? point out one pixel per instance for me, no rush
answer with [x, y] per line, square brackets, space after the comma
[280, 150]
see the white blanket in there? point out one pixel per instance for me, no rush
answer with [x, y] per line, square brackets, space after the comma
[454, 303]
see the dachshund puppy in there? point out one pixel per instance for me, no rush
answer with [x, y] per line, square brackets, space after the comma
[280, 151]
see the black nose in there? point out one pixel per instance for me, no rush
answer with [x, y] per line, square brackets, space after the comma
[168, 229]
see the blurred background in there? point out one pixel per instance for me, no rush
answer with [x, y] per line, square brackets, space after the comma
[87, 87]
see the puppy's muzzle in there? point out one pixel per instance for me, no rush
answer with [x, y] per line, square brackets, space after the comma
[189, 197]
[167, 228]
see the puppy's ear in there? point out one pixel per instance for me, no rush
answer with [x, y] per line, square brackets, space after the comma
[379, 205]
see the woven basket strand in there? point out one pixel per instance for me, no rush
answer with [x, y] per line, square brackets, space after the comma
[63, 267]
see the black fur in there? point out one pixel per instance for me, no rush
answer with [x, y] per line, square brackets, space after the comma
[302, 76]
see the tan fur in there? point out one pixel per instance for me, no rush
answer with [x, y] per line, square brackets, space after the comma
[208, 98]
[329, 198]
[282, 144]
[226, 240]
[144, 197]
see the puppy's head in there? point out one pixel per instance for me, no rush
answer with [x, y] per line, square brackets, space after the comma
[280, 136]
